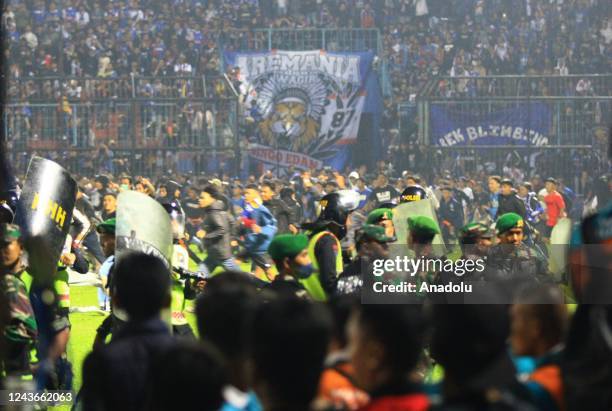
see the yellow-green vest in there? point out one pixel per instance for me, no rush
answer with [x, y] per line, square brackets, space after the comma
[60, 284]
[312, 284]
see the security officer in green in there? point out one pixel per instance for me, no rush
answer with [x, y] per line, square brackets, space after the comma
[290, 255]
[20, 332]
[382, 217]
[475, 240]
[372, 243]
[324, 248]
[512, 262]
[421, 232]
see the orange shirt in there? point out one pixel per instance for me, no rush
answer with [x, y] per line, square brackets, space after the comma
[336, 387]
[554, 206]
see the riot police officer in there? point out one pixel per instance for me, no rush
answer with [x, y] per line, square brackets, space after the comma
[324, 246]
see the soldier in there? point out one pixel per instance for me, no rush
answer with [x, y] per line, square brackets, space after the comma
[290, 255]
[475, 240]
[324, 246]
[422, 231]
[372, 243]
[382, 217]
[21, 331]
[511, 261]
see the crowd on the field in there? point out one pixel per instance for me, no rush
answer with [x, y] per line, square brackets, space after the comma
[265, 344]
[421, 38]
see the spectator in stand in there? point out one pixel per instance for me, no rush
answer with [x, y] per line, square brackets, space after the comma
[555, 206]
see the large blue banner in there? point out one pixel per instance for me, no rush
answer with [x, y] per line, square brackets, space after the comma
[528, 124]
[306, 105]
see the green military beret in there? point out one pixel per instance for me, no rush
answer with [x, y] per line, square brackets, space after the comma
[287, 245]
[373, 232]
[509, 221]
[476, 230]
[423, 226]
[378, 215]
[107, 227]
[9, 232]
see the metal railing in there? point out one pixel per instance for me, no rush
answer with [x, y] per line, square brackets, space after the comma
[44, 89]
[517, 87]
[579, 108]
[186, 121]
[301, 39]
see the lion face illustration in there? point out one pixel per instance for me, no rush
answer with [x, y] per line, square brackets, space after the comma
[289, 121]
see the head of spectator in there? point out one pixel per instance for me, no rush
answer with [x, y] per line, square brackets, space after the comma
[551, 185]
[330, 187]
[507, 187]
[187, 376]
[290, 337]
[252, 196]
[353, 177]
[224, 314]
[109, 203]
[539, 321]
[361, 184]
[268, 191]
[469, 341]
[287, 194]
[141, 285]
[412, 180]
[447, 192]
[125, 182]
[524, 190]
[208, 196]
[101, 182]
[494, 184]
[386, 343]
[381, 181]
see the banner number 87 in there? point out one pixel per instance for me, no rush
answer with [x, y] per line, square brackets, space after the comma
[338, 120]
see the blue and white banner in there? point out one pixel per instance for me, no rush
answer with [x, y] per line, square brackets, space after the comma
[306, 104]
[528, 124]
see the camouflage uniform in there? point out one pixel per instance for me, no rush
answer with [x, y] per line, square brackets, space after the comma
[506, 262]
[21, 331]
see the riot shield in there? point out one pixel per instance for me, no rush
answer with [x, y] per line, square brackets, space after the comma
[411, 209]
[559, 240]
[45, 213]
[142, 225]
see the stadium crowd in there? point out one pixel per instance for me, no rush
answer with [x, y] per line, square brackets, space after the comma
[421, 38]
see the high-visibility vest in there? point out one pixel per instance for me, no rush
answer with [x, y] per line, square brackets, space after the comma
[62, 289]
[26, 278]
[180, 259]
[312, 284]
